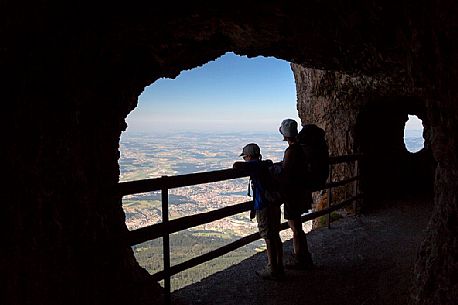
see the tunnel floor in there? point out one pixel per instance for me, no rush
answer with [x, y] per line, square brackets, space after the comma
[366, 259]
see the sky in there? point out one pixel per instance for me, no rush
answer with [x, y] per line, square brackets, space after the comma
[231, 94]
[413, 123]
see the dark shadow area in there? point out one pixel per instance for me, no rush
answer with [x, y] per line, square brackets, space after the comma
[388, 169]
[71, 77]
[366, 259]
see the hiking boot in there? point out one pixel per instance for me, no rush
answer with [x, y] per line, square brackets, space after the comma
[300, 264]
[268, 274]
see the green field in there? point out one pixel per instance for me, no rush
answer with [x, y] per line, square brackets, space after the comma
[185, 245]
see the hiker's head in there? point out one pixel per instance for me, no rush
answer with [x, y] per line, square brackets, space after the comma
[251, 152]
[288, 129]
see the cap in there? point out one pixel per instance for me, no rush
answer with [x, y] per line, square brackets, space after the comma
[288, 128]
[251, 149]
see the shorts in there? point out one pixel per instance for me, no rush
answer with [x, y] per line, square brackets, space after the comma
[268, 220]
[295, 207]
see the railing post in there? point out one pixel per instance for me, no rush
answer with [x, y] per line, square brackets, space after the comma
[355, 187]
[329, 196]
[166, 243]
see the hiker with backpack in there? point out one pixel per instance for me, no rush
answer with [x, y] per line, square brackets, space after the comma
[297, 197]
[266, 207]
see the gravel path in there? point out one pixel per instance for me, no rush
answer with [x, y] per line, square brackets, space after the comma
[363, 260]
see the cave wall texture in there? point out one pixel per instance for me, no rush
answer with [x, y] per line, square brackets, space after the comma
[71, 72]
[367, 115]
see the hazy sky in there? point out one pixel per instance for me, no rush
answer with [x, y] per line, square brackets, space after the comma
[232, 93]
[414, 123]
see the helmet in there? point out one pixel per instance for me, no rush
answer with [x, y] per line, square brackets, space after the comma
[251, 149]
[288, 128]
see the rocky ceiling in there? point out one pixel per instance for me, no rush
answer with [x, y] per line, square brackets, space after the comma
[71, 72]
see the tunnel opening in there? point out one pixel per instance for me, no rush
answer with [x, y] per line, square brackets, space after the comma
[413, 134]
[90, 73]
[388, 169]
[199, 122]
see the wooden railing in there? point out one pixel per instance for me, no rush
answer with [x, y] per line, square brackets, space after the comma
[167, 227]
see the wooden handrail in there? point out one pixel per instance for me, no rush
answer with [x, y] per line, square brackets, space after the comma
[170, 182]
[341, 182]
[208, 256]
[157, 230]
[166, 228]
[244, 241]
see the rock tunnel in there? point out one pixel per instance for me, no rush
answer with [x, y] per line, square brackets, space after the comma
[71, 76]
[389, 169]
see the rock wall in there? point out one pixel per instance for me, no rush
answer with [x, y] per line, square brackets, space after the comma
[339, 101]
[71, 73]
[367, 115]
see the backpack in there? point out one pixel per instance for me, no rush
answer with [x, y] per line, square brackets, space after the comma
[265, 178]
[313, 143]
[261, 178]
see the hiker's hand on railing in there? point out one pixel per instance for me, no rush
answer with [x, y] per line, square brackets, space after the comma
[239, 165]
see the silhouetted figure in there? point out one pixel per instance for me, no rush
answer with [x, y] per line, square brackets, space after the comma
[266, 207]
[297, 198]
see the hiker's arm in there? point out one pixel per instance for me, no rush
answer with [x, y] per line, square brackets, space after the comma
[287, 160]
[250, 167]
[288, 165]
[239, 165]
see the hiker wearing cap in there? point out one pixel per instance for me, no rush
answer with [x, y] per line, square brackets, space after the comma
[297, 199]
[266, 209]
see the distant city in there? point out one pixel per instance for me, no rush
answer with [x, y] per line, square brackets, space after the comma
[147, 155]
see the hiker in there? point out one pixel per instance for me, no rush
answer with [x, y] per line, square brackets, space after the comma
[266, 207]
[297, 198]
